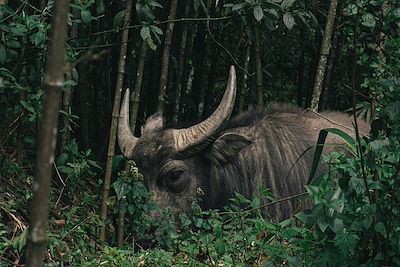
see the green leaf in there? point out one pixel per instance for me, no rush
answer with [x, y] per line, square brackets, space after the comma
[358, 185]
[322, 224]
[145, 32]
[62, 159]
[337, 225]
[13, 44]
[3, 54]
[351, 9]
[258, 12]
[156, 30]
[287, 4]
[338, 205]
[220, 246]
[255, 203]
[366, 223]
[117, 21]
[121, 188]
[86, 16]
[346, 242]
[239, 6]
[151, 44]
[288, 20]
[368, 20]
[380, 228]
[39, 38]
[155, 4]
[350, 142]
[117, 161]
[396, 13]
[18, 31]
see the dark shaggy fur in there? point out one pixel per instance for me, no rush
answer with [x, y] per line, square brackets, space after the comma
[256, 147]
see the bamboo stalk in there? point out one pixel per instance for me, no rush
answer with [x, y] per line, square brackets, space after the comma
[114, 120]
[47, 137]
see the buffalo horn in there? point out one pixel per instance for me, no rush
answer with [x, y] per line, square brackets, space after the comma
[202, 133]
[126, 139]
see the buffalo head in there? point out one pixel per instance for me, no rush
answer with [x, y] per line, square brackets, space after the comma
[175, 162]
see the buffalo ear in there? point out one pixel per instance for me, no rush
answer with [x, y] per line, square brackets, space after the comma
[228, 146]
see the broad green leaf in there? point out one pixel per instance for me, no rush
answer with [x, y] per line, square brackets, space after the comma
[151, 44]
[346, 242]
[396, 12]
[220, 246]
[86, 16]
[380, 228]
[61, 160]
[349, 141]
[121, 188]
[117, 161]
[322, 224]
[287, 4]
[13, 44]
[368, 20]
[238, 6]
[255, 203]
[145, 32]
[117, 21]
[288, 20]
[351, 9]
[258, 12]
[18, 30]
[39, 38]
[155, 4]
[156, 30]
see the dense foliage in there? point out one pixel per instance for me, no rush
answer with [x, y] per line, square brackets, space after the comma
[355, 217]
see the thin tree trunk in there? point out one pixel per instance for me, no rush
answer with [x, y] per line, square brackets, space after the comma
[66, 107]
[243, 88]
[83, 106]
[165, 58]
[181, 64]
[138, 86]
[68, 93]
[328, 91]
[121, 221]
[47, 137]
[133, 120]
[325, 47]
[185, 91]
[301, 94]
[259, 69]
[114, 119]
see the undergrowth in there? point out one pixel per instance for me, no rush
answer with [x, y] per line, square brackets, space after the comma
[354, 220]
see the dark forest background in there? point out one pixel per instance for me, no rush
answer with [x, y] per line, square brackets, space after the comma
[175, 56]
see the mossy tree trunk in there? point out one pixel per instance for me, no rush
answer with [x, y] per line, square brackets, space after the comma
[47, 137]
[325, 48]
[165, 58]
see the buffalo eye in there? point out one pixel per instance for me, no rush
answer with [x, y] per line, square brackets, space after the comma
[176, 181]
[174, 176]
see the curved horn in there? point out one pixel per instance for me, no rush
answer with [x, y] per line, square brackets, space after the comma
[201, 132]
[126, 139]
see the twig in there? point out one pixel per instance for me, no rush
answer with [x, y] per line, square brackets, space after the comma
[12, 127]
[167, 21]
[333, 122]
[265, 205]
[58, 174]
[59, 197]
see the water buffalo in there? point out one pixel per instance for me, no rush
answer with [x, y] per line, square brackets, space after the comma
[223, 156]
